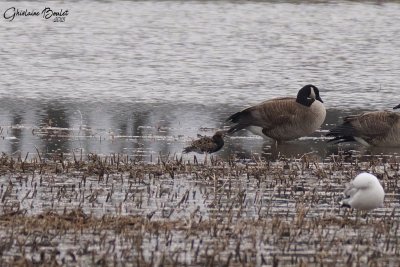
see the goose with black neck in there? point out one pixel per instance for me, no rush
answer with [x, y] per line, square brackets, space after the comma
[283, 119]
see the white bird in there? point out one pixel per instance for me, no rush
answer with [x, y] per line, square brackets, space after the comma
[365, 192]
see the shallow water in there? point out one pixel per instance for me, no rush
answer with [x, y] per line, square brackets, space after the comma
[260, 211]
[144, 77]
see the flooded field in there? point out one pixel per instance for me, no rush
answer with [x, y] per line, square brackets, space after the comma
[113, 210]
[95, 112]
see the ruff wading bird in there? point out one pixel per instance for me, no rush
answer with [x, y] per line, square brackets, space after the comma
[377, 128]
[283, 119]
[207, 144]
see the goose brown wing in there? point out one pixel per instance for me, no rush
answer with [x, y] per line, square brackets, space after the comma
[371, 124]
[273, 113]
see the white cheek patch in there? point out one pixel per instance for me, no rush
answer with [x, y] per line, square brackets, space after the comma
[312, 94]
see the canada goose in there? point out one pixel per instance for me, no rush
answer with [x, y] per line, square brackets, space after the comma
[365, 192]
[206, 144]
[377, 128]
[285, 118]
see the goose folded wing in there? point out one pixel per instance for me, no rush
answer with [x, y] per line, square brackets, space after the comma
[373, 124]
[273, 113]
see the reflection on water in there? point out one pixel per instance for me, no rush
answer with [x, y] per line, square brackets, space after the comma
[145, 130]
[143, 78]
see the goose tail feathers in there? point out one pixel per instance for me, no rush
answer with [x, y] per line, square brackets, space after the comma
[240, 119]
[342, 133]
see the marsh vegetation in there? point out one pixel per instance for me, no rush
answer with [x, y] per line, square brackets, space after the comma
[172, 211]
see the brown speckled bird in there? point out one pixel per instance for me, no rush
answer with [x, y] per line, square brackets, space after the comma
[206, 144]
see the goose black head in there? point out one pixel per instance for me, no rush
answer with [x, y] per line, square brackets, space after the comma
[396, 107]
[307, 95]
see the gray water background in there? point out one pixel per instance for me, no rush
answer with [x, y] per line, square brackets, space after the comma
[145, 77]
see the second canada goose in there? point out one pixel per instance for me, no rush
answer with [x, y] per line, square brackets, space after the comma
[206, 144]
[377, 128]
[365, 192]
[286, 118]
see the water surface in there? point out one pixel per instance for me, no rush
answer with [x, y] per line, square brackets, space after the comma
[143, 77]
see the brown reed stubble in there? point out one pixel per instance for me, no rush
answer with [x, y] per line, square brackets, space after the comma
[255, 212]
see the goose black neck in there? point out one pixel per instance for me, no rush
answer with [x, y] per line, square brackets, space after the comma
[305, 101]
